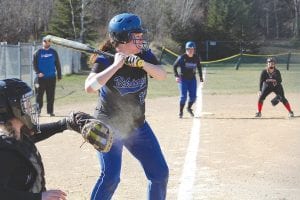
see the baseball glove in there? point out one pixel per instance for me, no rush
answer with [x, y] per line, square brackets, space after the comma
[276, 100]
[92, 130]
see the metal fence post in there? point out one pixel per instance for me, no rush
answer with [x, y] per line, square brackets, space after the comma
[288, 61]
[237, 66]
[161, 55]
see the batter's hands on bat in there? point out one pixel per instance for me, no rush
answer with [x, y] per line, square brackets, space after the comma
[119, 60]
[134, 61]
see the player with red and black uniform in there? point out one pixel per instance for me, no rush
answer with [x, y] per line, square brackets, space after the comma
[270, 81]
[186, 80]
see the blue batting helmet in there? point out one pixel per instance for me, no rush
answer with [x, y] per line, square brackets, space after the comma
[121, 26]
[190, 44]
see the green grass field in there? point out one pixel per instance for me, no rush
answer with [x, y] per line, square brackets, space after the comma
[227, 80]
[218, 80]
[71, 89]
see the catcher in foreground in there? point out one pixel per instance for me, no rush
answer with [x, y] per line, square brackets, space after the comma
[22, 173]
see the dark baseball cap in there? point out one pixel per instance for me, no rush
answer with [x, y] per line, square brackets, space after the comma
[271, 60]
[46, 39]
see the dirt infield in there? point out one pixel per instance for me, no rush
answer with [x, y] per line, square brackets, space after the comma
[239, 157]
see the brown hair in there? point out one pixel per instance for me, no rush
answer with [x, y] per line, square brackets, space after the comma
[7, 129]
[108, 46]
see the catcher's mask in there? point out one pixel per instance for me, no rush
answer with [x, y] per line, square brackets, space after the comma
[122, 26]
[17, 100]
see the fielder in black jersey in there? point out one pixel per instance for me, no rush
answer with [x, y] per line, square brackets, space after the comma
[186, 79]
[122, 83]
[270, 81]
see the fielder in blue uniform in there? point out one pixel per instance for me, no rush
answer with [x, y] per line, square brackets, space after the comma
[186, 79]
[122, 84]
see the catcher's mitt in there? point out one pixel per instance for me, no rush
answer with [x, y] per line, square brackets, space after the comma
[92, 130]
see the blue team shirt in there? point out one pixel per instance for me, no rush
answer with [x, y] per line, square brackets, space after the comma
[122, 99]
[188, 66]
[46, 62]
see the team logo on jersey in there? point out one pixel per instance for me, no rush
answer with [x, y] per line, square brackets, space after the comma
[46, 55]
[142, 96]
[129, 86]
[190, 65]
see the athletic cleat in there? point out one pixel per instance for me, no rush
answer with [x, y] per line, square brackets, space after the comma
[258, 114]
[190, 111]
[180, 115]
[291, 114]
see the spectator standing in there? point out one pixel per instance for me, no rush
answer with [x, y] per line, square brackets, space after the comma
[47, 68]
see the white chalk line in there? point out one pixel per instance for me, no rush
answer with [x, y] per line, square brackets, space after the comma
[185, 191]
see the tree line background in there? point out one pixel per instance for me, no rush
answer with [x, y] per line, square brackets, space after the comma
[246, 23]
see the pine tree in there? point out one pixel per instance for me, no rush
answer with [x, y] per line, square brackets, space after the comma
[69, 21]
[65, 12]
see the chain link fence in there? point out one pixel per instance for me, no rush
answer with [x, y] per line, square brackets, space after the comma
[16, 61]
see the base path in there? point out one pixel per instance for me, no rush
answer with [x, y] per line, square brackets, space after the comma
[238, 156]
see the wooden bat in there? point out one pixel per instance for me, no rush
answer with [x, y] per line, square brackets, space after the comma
[85, 48]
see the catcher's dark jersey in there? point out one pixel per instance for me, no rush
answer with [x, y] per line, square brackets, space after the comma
[269, 79]
[122, 99]
[21, 170]
[188, 66]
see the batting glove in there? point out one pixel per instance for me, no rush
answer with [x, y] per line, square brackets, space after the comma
[134, 61]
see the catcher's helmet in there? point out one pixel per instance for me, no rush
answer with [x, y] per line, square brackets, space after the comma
[17, 100]
[190, 45]
[121, 26]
